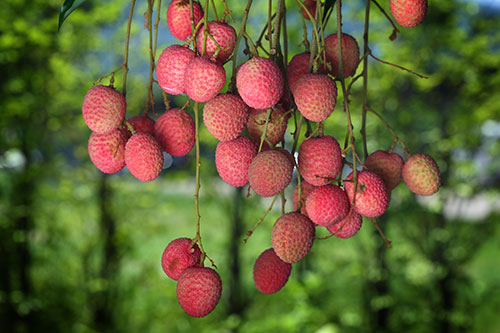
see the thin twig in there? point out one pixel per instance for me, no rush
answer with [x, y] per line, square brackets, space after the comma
[250, 232]
[397, 66]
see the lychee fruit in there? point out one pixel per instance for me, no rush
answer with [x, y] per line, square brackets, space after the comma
[142, 124]
[179, 18]
[179, 255]
[387, 165]
[288, 155]
[103, 109]
[292, 237]
[297, 67]
[225, 116]
[408, 13]
[276, 125]
[372, 198]
[171, 68]
[260, 83]
[143, 157]
[311, 9]
[107, 151]
[327, 204]
[269, 173]
[347, 229]
[270, 273]
[350, 54]
[421, 174]
[204, 79]
[175, 132]
[315, 96]
[305, 190]
[199, 290]
[224, 35]
[320, 160]
[233, 158]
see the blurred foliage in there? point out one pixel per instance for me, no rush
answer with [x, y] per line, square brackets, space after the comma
[81, 252]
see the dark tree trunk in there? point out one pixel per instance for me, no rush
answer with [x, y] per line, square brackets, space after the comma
[236, 297]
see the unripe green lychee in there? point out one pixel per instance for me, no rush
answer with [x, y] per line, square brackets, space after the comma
[421, 174]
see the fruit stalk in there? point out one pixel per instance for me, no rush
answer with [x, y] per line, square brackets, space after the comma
[365, 77]
[238, 39]
[127, 43]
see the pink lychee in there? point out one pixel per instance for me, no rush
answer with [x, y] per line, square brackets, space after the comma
[347, 229]
[276, 126]
[372, 198]
[408, 13]
[224, 35]
[142, 124]
[421, 174]
[171, 68]
[350, 54]
[204, 79]
[320, 160]
[103, 109]
[315, 96]
[270, 273]
[292, 237]
[179, 255]
[225, 116]
[107, 151]
[143, 157]
[269, 173]
[175, 132]
[179, 18]
[387, 165]
[199, 290]
[327, 205]
[305, 190]
[233, 158]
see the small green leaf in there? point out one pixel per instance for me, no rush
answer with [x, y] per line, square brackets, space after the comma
[328, 4]
[67, 8]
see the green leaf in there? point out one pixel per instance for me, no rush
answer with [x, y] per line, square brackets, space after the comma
[328, 4]
[67, 8]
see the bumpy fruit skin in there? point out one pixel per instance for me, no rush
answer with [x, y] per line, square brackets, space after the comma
[372, 198]
[175, 132]
[171, 68]
[350, 54]
[204, 79]
[269, 173]
[103, 109]
[349, 228]
[292, 237]
[143, 157]
[260, 83]
[270, 273]
[315, 96]
[233, 158]
[179, 255]
[225, 116]
[327, 205]
[224, 35]
[107, 151]
[320, 160]
[408, 13]
[199, 290]
[421, 174]
[142, 124]
[311, 8]
[305, 190]
[297, 67]
[179, 17]
[387, 165]
[276, 126]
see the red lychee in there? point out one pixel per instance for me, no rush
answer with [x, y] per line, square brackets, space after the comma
[175, 132]
[372, 198]
[179, 18]
[421, 174]
[225, 116]
[259, 82]
[143, 157]
[387, 165]
[204, 79]
[276, 126]
[320, 160]
[305, 190]
[171, 68]
[199, 290]
[224, 35]
[350, 54]
[142, 124]
[269, 173]
[315, 96]
[179, 255]
[408, 13]
[311, 9]
[327, 205]
[349, 228]
[233, 158]
[292, 237]
[270, 273]
[107, 151]
[103, 109]
[297, 67]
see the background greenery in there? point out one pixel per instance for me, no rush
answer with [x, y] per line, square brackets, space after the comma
[80, 252]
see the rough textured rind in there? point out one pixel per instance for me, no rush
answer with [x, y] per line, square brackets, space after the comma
[107, 151]
[179, 255]
[204, 79]
[320, 160]
[270, 273]
[103, 109]
[297, 67]
[408, 13]
[224, 35]
[311, 8]
[292, 237]
[387, 165]
[199, 290]
[175, 132]
[179, 18]
[349, 228]
[269, 173]
[327, 205]
[143, 157]
[260, 83]
[171, 68]
[350, 54]
[372, 198]
[225, 116]
[233, 158]
[142, 124]
[276, 126]
[306, 189]
[421, 174]
[315, 96]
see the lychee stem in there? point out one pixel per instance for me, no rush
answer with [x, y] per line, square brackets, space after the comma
[389, 128]
[395, 31]
[250, 232]
[215, 10]
[238, 39]
[387, 242]
[127, 43]
[365, 78]
[263, 136]
[227, 11]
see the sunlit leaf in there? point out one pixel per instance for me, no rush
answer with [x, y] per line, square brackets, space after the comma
[67, 8]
